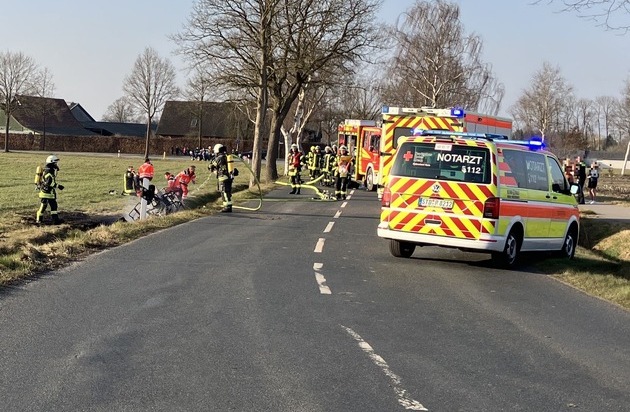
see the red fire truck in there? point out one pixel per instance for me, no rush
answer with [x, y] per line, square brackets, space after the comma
[362, 137]
[373, 154]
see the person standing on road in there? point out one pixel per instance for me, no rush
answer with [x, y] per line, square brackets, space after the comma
[344, 163]
[223, 165]
[580, 173]
[295, 166]
[593, 176]
[48, 191]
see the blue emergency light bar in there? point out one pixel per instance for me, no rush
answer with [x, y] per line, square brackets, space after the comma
[465, 135]
[457, 112]
[533, 143]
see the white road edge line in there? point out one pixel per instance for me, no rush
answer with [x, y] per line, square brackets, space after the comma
[320, 245]
[337, 214]
[329, 227]
[403, 398]
[321, 280]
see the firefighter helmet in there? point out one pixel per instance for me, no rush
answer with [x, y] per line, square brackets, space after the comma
[294, 146]
[218, 148]
[343, 147]
[52, 159]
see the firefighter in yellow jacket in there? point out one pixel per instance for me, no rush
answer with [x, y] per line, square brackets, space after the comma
[342, 172]
[223, 165]
[48, 190]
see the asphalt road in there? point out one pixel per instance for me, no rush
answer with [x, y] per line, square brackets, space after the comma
[300, 307]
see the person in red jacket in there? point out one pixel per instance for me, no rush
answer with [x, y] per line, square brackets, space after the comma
[172, 185]
[184, 178]
[295, 166]
[146, 170]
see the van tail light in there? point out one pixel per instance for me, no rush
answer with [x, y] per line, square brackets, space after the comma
[387, 197]
[491, 208]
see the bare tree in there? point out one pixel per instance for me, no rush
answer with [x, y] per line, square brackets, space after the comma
[540, 107]
[436, 64]
[586, 118]
[361, 97]
[198, 89]
[121, 111]
[605, 107]
[314, 40]
[610, 14]
[273, 48]
[231, 39]
[151, 83]
[18, 76]
[623, 120]
[44, 87]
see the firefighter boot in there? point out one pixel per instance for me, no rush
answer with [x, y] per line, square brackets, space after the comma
[227, 209]
[292, 192]
[298, 191]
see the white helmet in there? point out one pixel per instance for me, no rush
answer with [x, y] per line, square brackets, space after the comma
[217, 148]
[52, 159]
[343, 147]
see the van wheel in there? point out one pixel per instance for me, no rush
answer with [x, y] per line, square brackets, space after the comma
[509, 257]
[570, 244]
[369, 180]
[401, 249]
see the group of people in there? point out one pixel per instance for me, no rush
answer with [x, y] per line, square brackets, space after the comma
[176, 184]
[582, 177]
[334, 167]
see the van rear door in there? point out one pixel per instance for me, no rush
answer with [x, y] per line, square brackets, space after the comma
[440, 188]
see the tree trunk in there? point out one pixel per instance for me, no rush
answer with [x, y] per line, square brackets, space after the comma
[625, 159]
[6, 135]
[261, 114]
[272, 147]
[146, 144]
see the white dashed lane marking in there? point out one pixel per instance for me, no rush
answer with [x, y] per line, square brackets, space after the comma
[337, 214]
[320, 245]
[403, 398]
[321, 280]
[329, 227]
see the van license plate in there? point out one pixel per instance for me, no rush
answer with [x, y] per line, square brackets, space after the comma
[433, 202]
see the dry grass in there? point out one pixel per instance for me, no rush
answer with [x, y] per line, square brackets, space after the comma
[601, 266]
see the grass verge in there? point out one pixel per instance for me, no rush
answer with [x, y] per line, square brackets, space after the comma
[601, 266]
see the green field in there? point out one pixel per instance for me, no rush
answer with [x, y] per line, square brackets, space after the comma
[92, 206]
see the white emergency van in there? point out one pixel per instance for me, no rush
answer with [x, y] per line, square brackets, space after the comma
[478, 192]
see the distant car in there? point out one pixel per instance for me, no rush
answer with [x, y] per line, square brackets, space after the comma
[250, 155]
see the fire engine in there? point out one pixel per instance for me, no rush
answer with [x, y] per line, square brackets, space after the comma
[400, 121]
[362, 137]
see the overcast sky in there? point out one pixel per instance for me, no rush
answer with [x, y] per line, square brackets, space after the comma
[89, 47]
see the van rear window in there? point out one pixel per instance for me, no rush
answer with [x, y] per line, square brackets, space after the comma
[445, 161]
